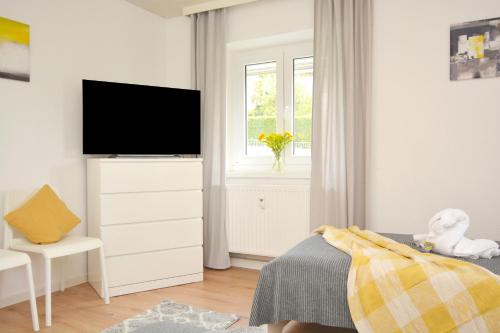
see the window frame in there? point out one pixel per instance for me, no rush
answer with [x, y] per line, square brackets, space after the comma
[284, 56]
[292, 52]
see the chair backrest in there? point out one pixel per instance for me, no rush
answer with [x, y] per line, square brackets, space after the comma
[14, 200]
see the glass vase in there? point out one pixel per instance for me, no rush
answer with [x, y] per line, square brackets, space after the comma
[278, 163]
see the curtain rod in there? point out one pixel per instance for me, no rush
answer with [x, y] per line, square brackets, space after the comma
[211, 5]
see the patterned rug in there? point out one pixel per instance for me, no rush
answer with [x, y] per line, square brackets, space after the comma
[175, 313]
[171, 327]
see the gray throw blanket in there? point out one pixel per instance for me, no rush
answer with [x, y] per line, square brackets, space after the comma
[309, 284]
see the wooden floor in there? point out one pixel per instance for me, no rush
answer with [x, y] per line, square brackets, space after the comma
[79, 309]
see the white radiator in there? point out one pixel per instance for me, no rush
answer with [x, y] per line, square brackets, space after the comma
[266, 220]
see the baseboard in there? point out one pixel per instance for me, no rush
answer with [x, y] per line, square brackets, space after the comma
[24, 296]
[248, 261]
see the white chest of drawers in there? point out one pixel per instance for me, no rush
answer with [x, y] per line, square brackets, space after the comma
[149, 214]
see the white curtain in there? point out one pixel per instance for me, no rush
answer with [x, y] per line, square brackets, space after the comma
[342, 64]
[209, 49]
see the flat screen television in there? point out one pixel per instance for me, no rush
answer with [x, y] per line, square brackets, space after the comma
[131, 119]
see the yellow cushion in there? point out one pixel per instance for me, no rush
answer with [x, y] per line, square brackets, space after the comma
[44, 218]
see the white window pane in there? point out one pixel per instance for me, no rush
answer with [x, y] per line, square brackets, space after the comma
[302, 100]
[260, 105]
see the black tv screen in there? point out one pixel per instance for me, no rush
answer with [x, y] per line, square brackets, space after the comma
[130, 119]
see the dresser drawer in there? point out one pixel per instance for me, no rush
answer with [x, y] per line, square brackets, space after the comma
[155, 236]
[150, 206]
[136, 268]
[152, 176]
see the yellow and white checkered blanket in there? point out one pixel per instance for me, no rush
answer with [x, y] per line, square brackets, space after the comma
[394, 288]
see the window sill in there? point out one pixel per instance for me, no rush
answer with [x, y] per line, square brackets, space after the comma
[255, 172]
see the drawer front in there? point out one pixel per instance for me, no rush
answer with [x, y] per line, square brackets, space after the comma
[150, 206]
[153, 176]
[135, 268]
[156, 236]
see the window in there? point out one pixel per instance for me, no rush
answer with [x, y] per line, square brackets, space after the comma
[260, 105]
[302, 105]
[270, 90]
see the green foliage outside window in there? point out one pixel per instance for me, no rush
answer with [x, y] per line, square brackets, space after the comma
[265, 124]
[262, 118]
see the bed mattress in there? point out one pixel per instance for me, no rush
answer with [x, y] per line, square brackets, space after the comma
[309, 284]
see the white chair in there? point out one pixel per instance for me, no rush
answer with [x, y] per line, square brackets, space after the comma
[68, 245]
[11, 259]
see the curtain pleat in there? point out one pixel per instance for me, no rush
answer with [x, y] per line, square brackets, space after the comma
[342, 80]
[209, 65]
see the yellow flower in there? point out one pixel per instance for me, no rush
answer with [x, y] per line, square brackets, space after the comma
[276, 141]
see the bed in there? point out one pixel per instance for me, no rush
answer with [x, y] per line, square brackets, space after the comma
[308, 284]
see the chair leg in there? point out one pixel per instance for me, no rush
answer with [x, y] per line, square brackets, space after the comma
[62, 266]
[48, 292]
[34, 312]
[104, 276]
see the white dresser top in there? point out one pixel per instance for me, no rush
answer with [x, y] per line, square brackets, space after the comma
[146, 159]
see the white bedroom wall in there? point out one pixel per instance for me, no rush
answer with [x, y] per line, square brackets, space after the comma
[266, 18]
[433, 143]
[40, 121]
[259, 19]
[178, 41]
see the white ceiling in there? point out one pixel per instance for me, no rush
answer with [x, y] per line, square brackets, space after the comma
[173, 8]
[166, 8]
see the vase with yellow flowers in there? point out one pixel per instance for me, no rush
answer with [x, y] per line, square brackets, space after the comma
[277, 142]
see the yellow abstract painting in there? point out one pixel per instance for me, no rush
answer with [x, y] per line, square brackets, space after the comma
[475, 49]
[14, 50]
